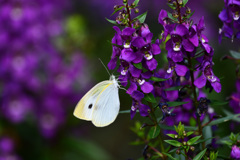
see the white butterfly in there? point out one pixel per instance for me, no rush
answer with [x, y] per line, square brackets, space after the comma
[101, 104]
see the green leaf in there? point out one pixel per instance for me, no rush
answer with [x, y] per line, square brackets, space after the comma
[138, 65]
[193, 140]
[184, 2]
[170, 156]
[112, 21]
[200, 155]
[188, 128]
[190, 15]
[171, 17]
[218, 103]
[156, 79]
[171, 6]
[118, 9]
[173, 88]
[150, 98]
[189, 133]
[176, 103]
[154, 132]
[171, 135]
[141, 17]
[229, 113]
[173, 143]
[235, 54]
[224, 119]
[136, 3]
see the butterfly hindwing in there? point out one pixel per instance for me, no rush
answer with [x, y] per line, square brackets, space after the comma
[85, 106]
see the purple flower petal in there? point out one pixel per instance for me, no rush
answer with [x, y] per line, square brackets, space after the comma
[146, 75]
[147, 87]
[200, 82]
[175, 56]
[139, 42]
[143, 109]
[132, 88]
[181, 70]
[151, 64]
[139, 57]
[217, 86]
[137, 95]
[128, 55]
[188, 46]
[135, 72]
[181, 30]
[113, 63]
[155, 49]
[194, 40]
[162, 17]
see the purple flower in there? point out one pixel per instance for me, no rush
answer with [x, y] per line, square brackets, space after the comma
[235, 153]
[230, 16]
[208, 75]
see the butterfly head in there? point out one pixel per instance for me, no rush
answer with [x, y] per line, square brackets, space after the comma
[114, 80]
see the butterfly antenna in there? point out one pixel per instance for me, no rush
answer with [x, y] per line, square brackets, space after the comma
[104, 66]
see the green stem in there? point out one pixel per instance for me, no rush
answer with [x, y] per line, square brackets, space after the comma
[200, 129]
[160, 135]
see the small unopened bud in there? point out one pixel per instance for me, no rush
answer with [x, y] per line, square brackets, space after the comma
[125, 1]
[188, 10]
[169, 1]
[192, 148]
[137, 23]
[136, 10]
[176, 136]
[133, 5]
[116, 7]
[178, 151]
[184, 134]
[175, 14]
[180, 2]
[174, 3]
[184, 143]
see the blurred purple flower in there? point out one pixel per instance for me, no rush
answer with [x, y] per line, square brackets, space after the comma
[235, 153]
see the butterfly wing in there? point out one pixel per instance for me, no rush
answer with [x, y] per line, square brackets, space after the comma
[106, 107]
[85, 107]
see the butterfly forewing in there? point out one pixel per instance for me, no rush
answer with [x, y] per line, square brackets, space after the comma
[107, 106]
[85, 106]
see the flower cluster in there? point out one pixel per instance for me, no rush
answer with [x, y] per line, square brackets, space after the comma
[36, 80]
[132, 47]
[230, 16]
[186, 39]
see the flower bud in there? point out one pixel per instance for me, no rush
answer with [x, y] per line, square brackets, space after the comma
[180, 2]
[169, 1]
[116, 7]
[192, 148]
[125, 1]
[136, 10]
[175, 14]
[188, 10]
[184, 143]
[174, 3]
[176, 136]
[178, 151]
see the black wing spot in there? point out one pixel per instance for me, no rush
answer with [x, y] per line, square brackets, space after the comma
[90, 106]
